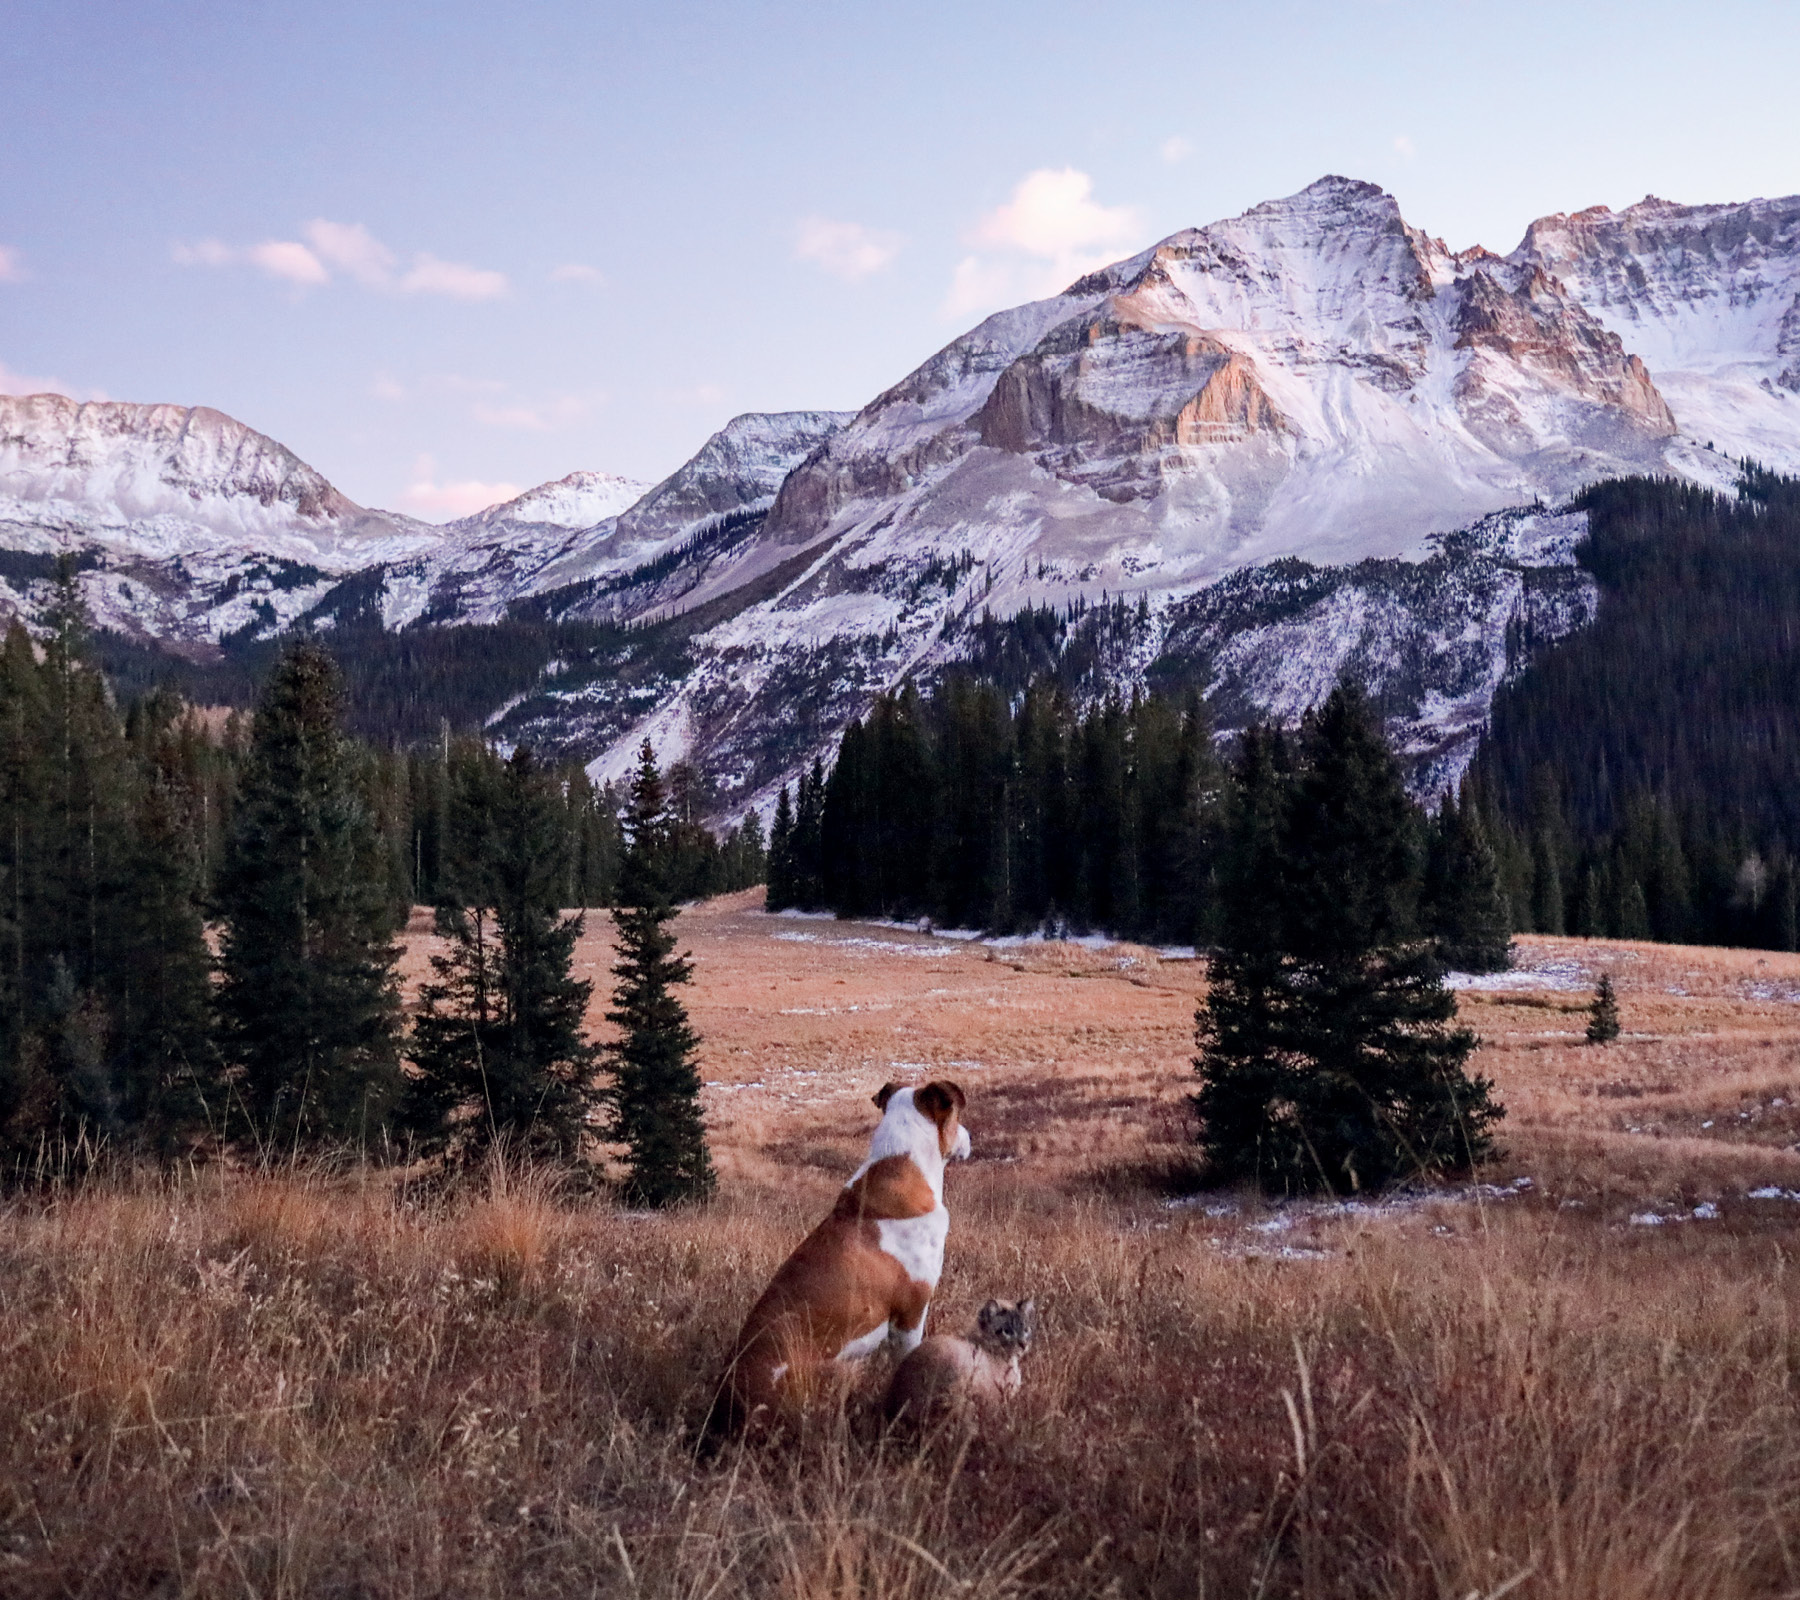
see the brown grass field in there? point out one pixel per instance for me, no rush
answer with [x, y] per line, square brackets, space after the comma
[317, 1382]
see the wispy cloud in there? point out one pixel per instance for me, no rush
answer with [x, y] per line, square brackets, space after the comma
[445, 502]
[1177, 147]
[351, 248]
[544, 417]
[578, 272]
[330, 251]
[432, 276]
[22, 383]
[846, 250]
[12, 264]
[1047, 235]
[1404, 146]
[290, 260]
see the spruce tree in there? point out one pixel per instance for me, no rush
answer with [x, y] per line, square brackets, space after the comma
[1464, 906]
[105, 989]
[1248, 1100]
[308, 1003]
[498, 1040]
[781, 855]
[1362, 1066]
[1603, 1014]
[656, 1081]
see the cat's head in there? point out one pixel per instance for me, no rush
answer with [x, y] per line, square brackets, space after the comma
[1007, 1324]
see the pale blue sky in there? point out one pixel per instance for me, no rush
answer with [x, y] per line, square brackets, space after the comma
[486, 244]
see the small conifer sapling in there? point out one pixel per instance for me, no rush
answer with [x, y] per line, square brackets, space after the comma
[1603, 1014]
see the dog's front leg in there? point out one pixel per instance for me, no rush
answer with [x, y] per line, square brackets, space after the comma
[902, 1340]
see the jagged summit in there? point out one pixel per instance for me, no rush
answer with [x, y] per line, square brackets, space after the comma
[1303, 436]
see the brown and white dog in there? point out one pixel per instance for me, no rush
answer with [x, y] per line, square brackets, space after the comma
[865, 1275]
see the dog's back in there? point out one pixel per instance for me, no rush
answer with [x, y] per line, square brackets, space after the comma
[864, 1277]
[982, 1368]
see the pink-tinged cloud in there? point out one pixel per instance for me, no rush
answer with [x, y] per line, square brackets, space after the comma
[202, 253]
[351, 248]
[12, 264]
[290, 260]
[334, 250]
[23, 383]
[432, 276]
[1047, 235]
[445, 502]
[539, 418]
[846, 250]
[578, 272]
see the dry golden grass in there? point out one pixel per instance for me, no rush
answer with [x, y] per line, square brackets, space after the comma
[317, 1383]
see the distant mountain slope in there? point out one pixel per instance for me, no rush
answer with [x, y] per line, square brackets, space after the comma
[1298, 441]
[1708, 296]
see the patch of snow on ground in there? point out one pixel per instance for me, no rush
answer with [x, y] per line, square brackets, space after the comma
[861, 944]
[1561, 974]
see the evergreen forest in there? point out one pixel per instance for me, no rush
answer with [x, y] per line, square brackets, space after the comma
[1642, 779]
[977, 810]
[198, 910]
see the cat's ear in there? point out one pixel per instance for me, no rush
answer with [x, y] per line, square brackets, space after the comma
[1028, 1309]
[988, 1315]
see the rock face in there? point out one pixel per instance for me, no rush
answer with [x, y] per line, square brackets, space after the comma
[1708, 296]
[1266, 433]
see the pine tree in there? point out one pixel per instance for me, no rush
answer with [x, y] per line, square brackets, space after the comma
[105, 991]
[656, 1081]
[1355, 1058]
[1603, 1014]
[308, 1002]
[498, 1040]
[1465, 908]
[1247, 1100]
[781, 855]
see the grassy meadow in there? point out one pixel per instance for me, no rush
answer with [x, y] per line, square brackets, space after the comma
[346, 1382]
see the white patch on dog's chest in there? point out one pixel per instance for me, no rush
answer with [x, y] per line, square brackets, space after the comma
[917, 1243]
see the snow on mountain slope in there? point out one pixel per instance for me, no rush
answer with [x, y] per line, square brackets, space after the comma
[1313, 380]
[195, 525]
[578, 501]
[1708, 296]
[586, 568]
[1308, 439]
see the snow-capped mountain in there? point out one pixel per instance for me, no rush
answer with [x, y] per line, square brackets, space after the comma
[609, 564]
[1315, 381]
[1304, 439]
[192, 525]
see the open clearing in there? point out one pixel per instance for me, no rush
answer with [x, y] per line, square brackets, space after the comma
[1578, 1378]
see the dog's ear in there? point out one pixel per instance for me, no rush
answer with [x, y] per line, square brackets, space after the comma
[884, 1094]
[939, 1100]
[933, 1102]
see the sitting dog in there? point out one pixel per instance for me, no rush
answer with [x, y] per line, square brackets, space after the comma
[983, 1368]
[865, 1275]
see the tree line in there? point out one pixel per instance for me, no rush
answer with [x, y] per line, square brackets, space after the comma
[979, 810]
[1642, 780]
[125, 836]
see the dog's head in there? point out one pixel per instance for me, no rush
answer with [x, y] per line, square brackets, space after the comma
[941, 1103]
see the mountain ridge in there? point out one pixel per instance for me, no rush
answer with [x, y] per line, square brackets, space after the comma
[1315, 380]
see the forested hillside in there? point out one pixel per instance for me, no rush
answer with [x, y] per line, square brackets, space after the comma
[1643, 778]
